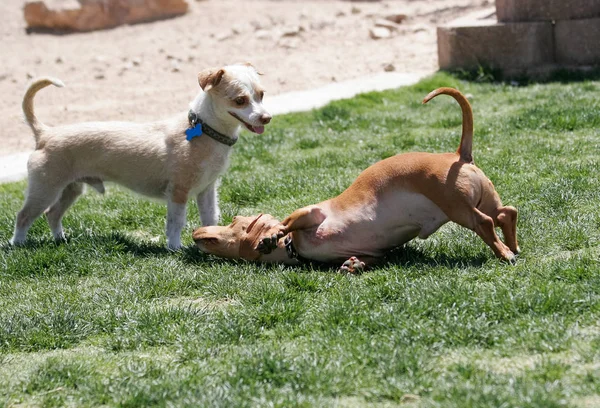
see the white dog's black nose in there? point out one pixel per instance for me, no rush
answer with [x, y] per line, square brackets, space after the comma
[265, 118]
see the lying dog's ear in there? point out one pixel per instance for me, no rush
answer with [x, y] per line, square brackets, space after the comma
[209, 78]
[253, 223]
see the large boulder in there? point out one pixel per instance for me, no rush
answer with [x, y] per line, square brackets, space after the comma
[88, 15]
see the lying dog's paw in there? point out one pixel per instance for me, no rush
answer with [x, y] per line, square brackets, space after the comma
[267, 244]
[353, 266]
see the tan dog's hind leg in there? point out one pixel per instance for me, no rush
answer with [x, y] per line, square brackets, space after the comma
[484, 227]
[507, 220]
[352, 266]
[58, 209]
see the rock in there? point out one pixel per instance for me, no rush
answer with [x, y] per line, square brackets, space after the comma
[355, 10]
[378, 33]
[58, 60]
[321, 24]
[99, 76]
[224, 36]
[396, 17]
[263, 35]
[291, 31]
[136, 61]
[386, 24]
[125, 67]
[29, 75]
[289, 43]
[389, 67]
[257, 25]
[88, 15]
[419, 28]
[175, 66]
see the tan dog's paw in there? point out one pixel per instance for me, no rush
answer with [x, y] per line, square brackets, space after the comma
[353, 266]
[267, 244]
[511, 258]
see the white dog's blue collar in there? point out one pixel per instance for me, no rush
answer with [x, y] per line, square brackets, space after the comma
[198, 128]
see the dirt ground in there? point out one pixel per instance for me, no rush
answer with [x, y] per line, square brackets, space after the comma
[148, 71]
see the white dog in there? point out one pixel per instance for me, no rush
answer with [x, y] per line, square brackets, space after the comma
[173, 159]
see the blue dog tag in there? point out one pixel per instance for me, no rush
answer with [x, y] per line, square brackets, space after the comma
[194, 132]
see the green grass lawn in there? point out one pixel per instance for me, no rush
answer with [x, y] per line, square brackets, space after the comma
[113, 318]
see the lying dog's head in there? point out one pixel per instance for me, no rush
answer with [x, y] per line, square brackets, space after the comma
[238, 95]
[238, 239]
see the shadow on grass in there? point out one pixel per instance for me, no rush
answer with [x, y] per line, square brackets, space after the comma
[404, 256]
[485, 74]
[410, 256]
[111, 242]
[118, 242]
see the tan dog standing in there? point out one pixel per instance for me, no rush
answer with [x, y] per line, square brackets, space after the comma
[173, 159]
[393, 201]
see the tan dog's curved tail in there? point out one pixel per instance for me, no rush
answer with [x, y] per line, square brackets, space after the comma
[30, 118]
[465, 149]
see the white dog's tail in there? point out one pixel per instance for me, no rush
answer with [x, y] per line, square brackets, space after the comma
[30, 117]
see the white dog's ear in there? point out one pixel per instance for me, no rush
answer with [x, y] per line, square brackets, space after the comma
[209, 78]
[249, 64]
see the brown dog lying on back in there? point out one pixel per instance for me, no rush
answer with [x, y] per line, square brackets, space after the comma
[393, 201]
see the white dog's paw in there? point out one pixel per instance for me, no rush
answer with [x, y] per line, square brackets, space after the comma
[14, 241]
[59, 235]
[174, 245]
[18, 237]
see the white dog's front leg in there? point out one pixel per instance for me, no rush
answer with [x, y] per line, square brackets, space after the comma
[208, 205]
[175, 223]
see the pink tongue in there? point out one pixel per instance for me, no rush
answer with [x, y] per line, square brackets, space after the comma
[258, 129]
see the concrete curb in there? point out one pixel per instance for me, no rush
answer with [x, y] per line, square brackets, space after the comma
[14, 167]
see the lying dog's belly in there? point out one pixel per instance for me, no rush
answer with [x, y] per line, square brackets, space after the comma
[391, 220]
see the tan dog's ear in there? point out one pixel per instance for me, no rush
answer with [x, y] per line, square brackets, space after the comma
[210, 78]
[253, 223]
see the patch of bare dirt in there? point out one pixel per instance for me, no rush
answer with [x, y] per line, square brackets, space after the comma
[148, 71]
